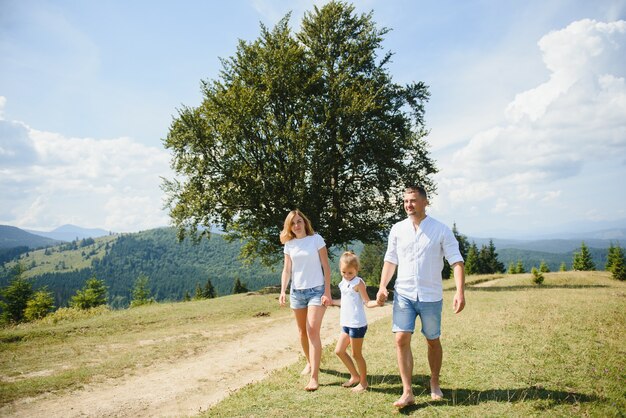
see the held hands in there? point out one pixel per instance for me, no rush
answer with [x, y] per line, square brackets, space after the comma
[381, 296]
[327, 299]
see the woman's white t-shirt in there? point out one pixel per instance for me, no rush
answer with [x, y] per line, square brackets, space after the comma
[352, 312]
[306, 267]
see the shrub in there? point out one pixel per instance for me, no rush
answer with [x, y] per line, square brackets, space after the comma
[537, 276]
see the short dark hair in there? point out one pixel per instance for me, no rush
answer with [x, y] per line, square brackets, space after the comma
[416, 189]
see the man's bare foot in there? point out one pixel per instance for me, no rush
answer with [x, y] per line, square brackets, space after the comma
[359, 388]
[312, 386]
[306, 370]
[404, 401]
[435, 392]
[353, 381]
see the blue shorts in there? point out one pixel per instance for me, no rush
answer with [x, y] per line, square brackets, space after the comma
[302, 298]
[355, 332]
[405, 311]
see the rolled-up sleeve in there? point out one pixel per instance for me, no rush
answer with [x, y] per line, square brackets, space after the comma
[392, 247]
[451, 247]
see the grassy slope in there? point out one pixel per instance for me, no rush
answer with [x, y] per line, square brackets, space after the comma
[41, 357]
[38, 262]
[517, 350]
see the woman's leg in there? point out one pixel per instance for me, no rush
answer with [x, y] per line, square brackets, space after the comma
[314, 324]
[301, 321]
[340, 350]
[357, 354]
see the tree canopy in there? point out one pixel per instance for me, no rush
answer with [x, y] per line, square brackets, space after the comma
[309, 120]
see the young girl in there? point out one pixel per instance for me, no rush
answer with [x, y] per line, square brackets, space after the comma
[352, 320]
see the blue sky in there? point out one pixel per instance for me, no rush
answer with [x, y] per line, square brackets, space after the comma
[527, 115]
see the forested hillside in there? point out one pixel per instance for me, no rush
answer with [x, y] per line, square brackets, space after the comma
[532, 259]
[173, 268]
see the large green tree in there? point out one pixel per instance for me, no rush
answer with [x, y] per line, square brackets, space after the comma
[309, 120]
[93, 294]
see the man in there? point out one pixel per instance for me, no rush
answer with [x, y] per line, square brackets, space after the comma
[417, 246]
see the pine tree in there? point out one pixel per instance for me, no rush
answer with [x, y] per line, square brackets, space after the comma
[537, 276]
[582, 259]
[15, 295]
[543, 267]
[618, 265]
[563, 267]
[490, 263]
[39, 305]
[511, 269]
[472, 262]
[186, 296]
[610, 258]
[141, 292]
[209, 290]
[199, 294]
[239, 287]
[519, 268]
[93, 294]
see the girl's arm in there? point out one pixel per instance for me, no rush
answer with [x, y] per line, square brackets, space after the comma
[327, 298]
[362, 288]
[336, 302]
[284, 280]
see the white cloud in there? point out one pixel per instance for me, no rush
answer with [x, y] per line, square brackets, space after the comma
[48, 180]
[552, 131]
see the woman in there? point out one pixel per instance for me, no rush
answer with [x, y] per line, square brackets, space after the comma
[306, 264]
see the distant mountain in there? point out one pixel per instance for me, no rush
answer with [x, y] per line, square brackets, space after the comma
[11, 237]
[558, 246]
[71, 233]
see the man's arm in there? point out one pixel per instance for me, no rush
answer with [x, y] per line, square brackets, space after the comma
[385, 276]
[459, 279]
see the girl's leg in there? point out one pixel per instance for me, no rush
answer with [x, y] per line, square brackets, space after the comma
[357, 354]
[314, 324]
[301, 315]
[340, 350]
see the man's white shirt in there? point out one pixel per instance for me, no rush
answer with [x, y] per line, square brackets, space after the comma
[418, 253]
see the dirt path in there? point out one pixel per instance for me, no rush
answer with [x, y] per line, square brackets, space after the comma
[192, 385]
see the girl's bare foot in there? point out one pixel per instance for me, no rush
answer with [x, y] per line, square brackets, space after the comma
[306, 370]
[359, 388]
[351, 382]
[312, 386]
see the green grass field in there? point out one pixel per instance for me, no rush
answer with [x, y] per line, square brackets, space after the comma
[516, 350]
[45, 356]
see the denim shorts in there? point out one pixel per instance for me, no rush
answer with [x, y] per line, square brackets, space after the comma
[302, 298]
[405, 311]
[355, 332]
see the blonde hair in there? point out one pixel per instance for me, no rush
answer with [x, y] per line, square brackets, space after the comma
[286, 234]
[350, 259]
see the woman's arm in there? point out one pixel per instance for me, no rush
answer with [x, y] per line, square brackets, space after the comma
[326, 299]
[284, 280]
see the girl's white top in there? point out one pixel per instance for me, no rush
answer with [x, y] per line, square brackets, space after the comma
[306, 267]
[352, 310]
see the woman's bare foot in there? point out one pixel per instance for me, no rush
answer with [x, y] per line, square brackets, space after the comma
[353, 381]
[404, 401]
[312, 386]
[359, 388]
[306, 370]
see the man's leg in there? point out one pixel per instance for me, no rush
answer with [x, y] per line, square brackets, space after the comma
[405, 364]
[435, 358]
